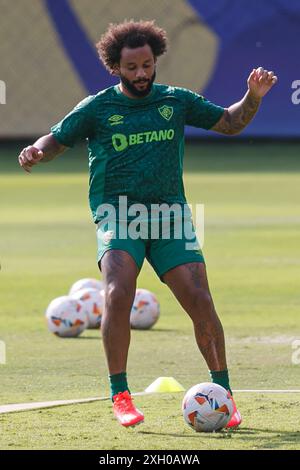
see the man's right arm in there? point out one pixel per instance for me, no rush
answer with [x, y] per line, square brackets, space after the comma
[45, 149]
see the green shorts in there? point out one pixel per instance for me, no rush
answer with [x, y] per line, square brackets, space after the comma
[164, 250]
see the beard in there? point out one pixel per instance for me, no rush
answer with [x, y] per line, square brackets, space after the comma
[132, 88]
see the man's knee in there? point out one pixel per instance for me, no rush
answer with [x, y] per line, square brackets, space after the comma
[118, 295]
[200, 300]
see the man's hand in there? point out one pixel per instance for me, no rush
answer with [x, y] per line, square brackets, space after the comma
[30, 156]
[45, 149]
[260, 81]
[239, 115]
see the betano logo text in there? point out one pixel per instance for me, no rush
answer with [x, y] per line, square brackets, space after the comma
[122, 141]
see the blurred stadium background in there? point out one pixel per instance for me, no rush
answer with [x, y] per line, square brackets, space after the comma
[249, 185]
[49, 63]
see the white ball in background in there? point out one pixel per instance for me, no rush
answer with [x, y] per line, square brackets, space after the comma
[66, 317]
[93, 303]
[145, 310]
[86, 282]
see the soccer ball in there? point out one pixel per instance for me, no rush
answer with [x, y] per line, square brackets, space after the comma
[86, 282]
[145, 310]
[93, 304]
[66, 317]
[207, 407]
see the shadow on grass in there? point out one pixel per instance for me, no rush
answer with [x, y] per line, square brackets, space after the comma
[273, 439]
[89, 337]
[158, 330]
[149, 331]
[196, 435]
[169, 434]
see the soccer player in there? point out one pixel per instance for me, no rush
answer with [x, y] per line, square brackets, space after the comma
[135, 134]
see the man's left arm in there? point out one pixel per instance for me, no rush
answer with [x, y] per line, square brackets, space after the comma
[239, 115]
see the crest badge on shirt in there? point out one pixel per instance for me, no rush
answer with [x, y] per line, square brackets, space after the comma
[166, 112]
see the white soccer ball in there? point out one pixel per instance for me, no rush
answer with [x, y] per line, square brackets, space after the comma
[207, 407]
[93, 304]
[66, 317]
[145, 310]
[86, 282]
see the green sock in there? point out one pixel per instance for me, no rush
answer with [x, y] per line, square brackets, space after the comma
[118, 383]
[221, 377]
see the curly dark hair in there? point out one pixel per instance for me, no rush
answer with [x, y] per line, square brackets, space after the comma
[130, 34]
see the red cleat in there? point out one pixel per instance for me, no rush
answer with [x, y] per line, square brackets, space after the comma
[235, 419]
[125, 411]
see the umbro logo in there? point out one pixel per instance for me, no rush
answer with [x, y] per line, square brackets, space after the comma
[116, 119]
[166, 112]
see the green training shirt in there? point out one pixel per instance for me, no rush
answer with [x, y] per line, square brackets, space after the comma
[136, 146]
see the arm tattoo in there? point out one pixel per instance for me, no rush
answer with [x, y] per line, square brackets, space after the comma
[238, 115]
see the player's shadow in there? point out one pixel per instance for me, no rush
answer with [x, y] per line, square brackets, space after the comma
[195, 435]
[89, 337]
[269, 431]
[150, 331]
[157, 330]
[188, 436]
[273, 439]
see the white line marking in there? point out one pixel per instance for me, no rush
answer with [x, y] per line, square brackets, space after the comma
[266, 391]
[51, 404]
[45, 404]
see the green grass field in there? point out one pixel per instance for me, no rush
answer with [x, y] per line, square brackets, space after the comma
[47, 241]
